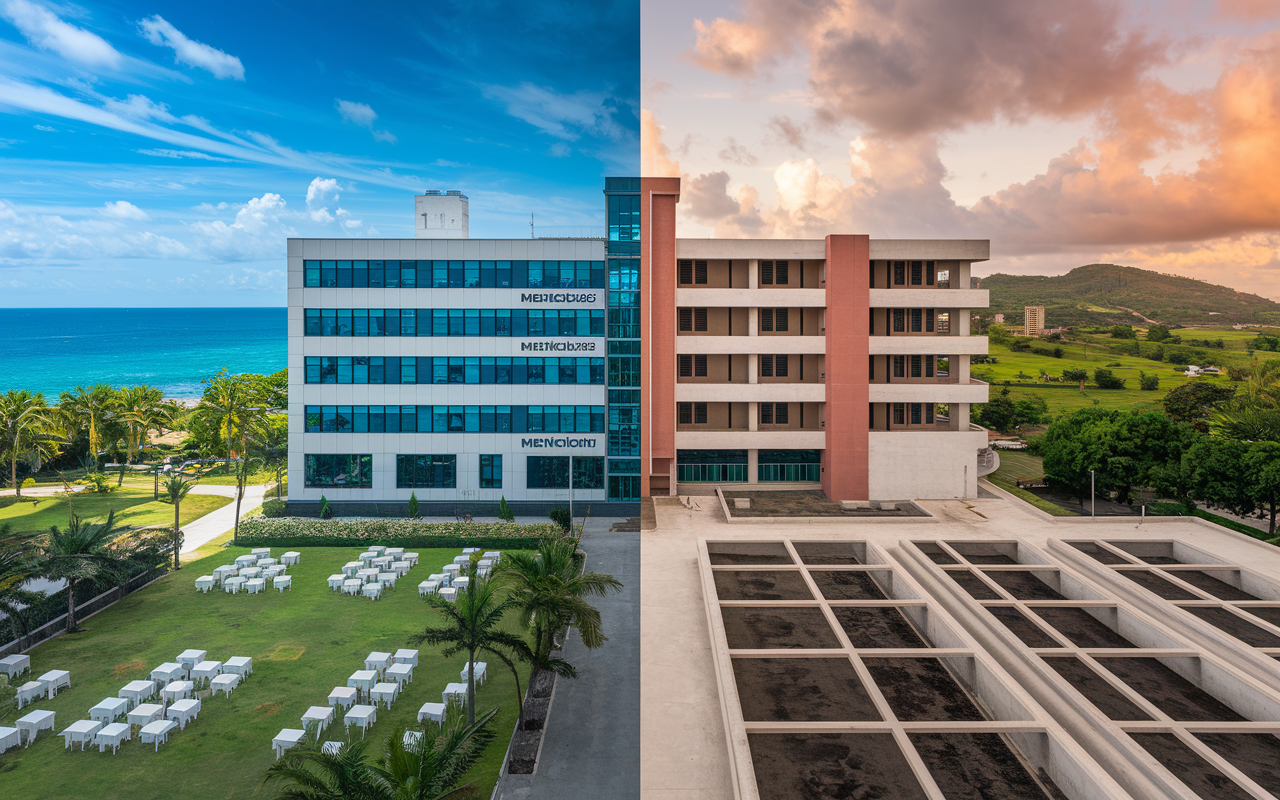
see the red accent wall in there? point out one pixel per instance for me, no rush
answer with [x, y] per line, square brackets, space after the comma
[844, 474]
[658, 198]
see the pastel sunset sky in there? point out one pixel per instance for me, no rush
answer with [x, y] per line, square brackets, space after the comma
[1067, 133]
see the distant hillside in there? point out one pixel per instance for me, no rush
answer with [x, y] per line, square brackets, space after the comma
[1107, 294]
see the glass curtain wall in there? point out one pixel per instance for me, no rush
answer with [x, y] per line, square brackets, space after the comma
[622, 199]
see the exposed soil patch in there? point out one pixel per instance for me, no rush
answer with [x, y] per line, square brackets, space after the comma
[1096, 690]
[1266, 613]
[1022, 627]
[286, 652]
[267, 709]
[935, 553]
[974, 585]
[804, 503]
[129, 668]
[1150, 552]
[1099, 553]
[1214, 586]
[748, 628]
[978, 766]
[1238, 627]
[1157, 585]
[877, 627]
[1199, 775]
[1082, 628]
[1023, 585]
[772, 585]
[919, 689]
[1255, 754]
[831, 766]
[986, 552]
[829, 552]
[847, 585]
[1168, 691]
[801, 689]
[748, 553]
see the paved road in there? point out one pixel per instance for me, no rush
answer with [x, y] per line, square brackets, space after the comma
[216, 523]
[591, 750]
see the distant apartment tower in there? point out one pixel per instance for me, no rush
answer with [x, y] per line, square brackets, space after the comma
[1033, 317]
[440, 215]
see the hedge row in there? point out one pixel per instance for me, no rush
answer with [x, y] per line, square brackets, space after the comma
[308, 532]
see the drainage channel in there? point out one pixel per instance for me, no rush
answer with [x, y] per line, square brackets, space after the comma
[1185, 708]
[840, 677]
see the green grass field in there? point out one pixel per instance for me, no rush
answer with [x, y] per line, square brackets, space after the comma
[303, 642]
[133, 506]
[1016, 466]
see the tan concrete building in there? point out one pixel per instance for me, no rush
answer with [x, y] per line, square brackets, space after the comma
[1033, 320]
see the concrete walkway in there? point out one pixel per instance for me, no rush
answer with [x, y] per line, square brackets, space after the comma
[216, 523]
[41, 491]
[591, 749]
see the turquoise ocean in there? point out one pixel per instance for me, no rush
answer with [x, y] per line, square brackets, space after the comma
[53, 350]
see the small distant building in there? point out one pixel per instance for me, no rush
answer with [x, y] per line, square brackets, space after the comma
[440, 215]
[1000, 318]
[1033, 320]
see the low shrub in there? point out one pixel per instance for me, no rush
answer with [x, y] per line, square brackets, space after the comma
[560, 516]
[1106, 379]
[28, 483]
[309, 532]
[275, 508]
[1148, 383]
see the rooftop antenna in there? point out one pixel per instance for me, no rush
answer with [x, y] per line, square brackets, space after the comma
[531, 236]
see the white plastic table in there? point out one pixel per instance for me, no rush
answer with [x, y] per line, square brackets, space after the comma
[352, 586]
[401, 567]
[400, 673]
[177, 690]
[432, 711]
[441, 578]
[466, 551]
[372, 590]
[255, 585]
[368, 555]
[31, 724]
[240, 665]
[363, 679]
[233, 585]
[388, 578]
[412, 558]
[206, 671]
[113, 735]
[189, 658]
[481, 672]
[268, 562]
[377, 660]
[169, 671]
[271, 573]
[367, 575]
[109, 709]
[393, 551]
[462, 561]
[320, 715]
[261, 551]
[406, 656]
[146, 714]
[384, 693]
[283, 582]
[496, 555]
[246, 560]
[383, 562]
[454, 693]
[428, 587]
[137, 691]
[378, 548]
[183, 712]
[205, 583]
[157, 732]
[461, 583]
[251, 572]
[363, 716]
[286, 738]
[335, 582]
[15, 665]
[225, 683]
[82, 731]
[351, 568]
[9, 737]
[290, 558]
[54, 680]
[344, 696]
[449, 593]
[225, 571]
[452, 570]
[29, 691]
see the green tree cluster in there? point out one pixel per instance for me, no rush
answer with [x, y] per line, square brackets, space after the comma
[1005, 412]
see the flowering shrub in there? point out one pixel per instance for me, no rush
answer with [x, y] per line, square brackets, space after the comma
[311, 532]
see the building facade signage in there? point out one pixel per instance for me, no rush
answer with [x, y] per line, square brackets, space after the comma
[557, 443]
[527, 297]
[558, 347]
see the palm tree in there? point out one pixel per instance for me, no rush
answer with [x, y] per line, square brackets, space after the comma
[230, 405]
[89, 409]
[548, 588]
[26, 431]
[142, 408]
[83, 552]
[428, 769]
[17, 566]
[175, 488]
[471, 625]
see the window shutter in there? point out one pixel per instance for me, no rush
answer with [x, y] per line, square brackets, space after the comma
[780, 273]
[686, 413]
[686, 319]
[699, 319]
[928, 320]
[780, 366]
[917, 273]
[700, 366]
[686, 271]
[899, 273]
[766, 366]
[686, 366]
[780, 414]
[700, 413]
[700, 272]
[766, 319]
[780, 319]
[766, 273]
[766, 413]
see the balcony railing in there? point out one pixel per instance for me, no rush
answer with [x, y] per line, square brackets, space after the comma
[711, 473]
[789, 473]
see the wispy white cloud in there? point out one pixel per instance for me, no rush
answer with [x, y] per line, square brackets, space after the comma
[162, 153]
[564, 116]
[160, 32]
[47, 31]
[362, 114]
[123, 209]
[45, 128]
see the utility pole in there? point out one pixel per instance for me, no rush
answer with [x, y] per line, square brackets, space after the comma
[570, 494]
[1093, 496]
[531, 233]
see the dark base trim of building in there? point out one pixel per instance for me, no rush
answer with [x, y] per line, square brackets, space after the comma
[521, 508]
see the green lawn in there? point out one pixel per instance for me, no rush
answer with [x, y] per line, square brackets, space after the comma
[1016, 466]
[303, 642]
[133, 506]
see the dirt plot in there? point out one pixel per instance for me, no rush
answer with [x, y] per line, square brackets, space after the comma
[1242, 629]
[1157, 585]
[1199, 775]
[935, 553]
[748, 553]
[985, 552]
[877, 627]
[804, 503]
[974, 585]
[1024, 585]
[1099, 553]
[1107, 698]
[921, 689]
[1022, 627]
[1214, 586]
[1168, 691]
[979, 766]
[847, 585]
[1081, 627]
[1266, 613]
[801, 689]
[748, 628]
[1255, 754]
[831, 766]
[771, 585]
[827, 552]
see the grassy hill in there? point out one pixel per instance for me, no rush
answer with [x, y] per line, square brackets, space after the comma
[1107, 294]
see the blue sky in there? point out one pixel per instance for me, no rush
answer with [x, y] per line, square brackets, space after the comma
[158, 154]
